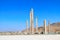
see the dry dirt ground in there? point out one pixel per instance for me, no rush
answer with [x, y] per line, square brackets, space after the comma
[29, 37]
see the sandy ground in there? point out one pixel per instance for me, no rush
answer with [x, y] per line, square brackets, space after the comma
[29, 37]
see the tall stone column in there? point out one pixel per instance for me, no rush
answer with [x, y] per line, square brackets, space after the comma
[31, 22]
[45, 26]
[36, 25]
[27, 26]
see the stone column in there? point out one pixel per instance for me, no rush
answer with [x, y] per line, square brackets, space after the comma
[31, 22]
[27, 26]
[45, 26]
[36, 25]
[49, 26]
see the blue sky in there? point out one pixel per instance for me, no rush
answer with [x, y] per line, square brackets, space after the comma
[14, 13]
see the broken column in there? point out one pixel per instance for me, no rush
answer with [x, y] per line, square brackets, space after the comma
[45, 26]
[27, 26]
[49, 26]
[36, 25]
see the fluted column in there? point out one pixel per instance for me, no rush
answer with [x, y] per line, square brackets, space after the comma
[36, 25]
[27, 26]
[45, 26]
[49, 26]
[31, 22]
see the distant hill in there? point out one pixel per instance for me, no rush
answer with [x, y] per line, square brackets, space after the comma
[54, 27]
[56, 24]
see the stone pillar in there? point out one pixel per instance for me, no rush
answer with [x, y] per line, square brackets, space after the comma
[27, 26]
[31, 22]
[36, 25]
[49, 26]
[45, 26]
